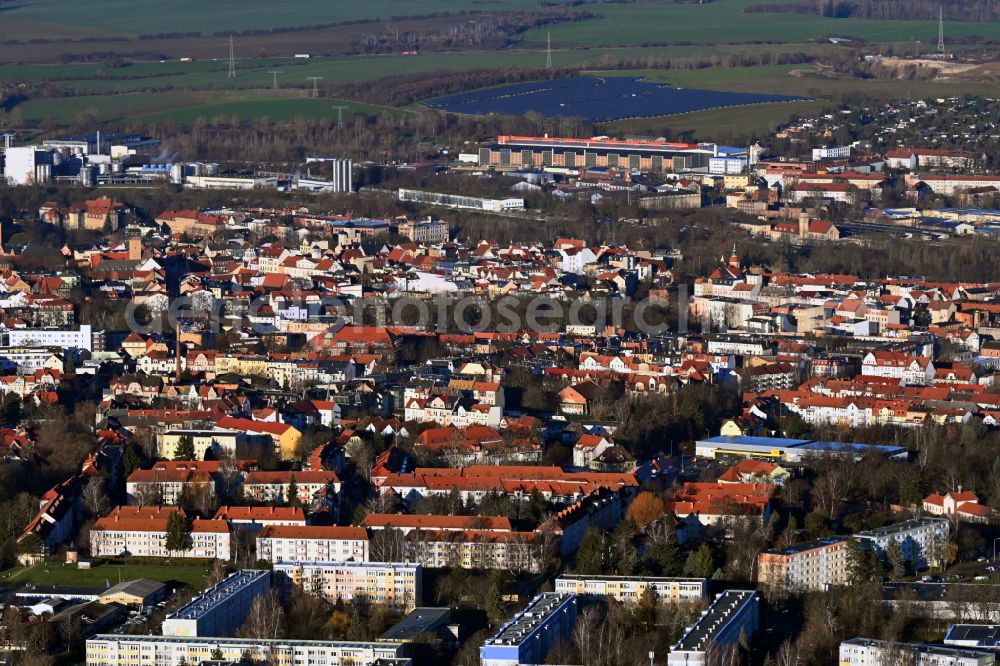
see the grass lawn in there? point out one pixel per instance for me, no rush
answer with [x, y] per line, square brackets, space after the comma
[100, 575]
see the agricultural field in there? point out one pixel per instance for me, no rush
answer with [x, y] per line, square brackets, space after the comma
[145, 17]
[185, 107]
[723, 21]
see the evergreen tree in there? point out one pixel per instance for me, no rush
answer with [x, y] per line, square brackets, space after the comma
[494, 605]
[185, 448]
[292, 497]
[178, 533]
[704, 562]
[590, 554]
[217, 654]
[857, 564]
[894, 558]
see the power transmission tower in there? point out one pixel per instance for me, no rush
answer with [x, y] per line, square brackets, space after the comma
[314, 79]
[232, 59]
[340, 114]
[941, 30]
[274, 73]
[548, 50]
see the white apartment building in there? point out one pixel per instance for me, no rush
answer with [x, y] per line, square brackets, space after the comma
[921, 540]
[142, 532]
[44, 337]
[872, 652]
[629, 589]
[312, 543]
[395, 584]
[126, 650]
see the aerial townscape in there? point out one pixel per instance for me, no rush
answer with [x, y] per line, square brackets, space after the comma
[572, 332]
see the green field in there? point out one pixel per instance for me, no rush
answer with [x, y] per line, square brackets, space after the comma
[146, 17]
[187, 106]
[101, 575]
[723, 21]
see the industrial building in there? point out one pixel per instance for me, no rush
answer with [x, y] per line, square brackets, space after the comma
[221, 609]
[341, 176]
[921, 540]
[629, 589]
[531, 633]
[872, 652]
[459, 201]
[974, 635]
[800, 451]
[125, 650]
[732, 614]
[394, 584]
[517, 152]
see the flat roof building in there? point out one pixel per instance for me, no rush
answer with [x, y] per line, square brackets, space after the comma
[789, 450]
[734, 612]
[974, 635]
[531, 633]
[629, 589]
[812, 565]
[124, 650]
[921, 540]
[872, 652]
[396, 584]
[221, 609]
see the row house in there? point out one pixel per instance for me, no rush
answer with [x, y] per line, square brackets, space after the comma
[911, 369]
[141, 531]
[312, 543]
[476, 549]
[274, 487]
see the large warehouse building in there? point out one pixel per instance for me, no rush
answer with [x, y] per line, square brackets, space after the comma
[518, 152]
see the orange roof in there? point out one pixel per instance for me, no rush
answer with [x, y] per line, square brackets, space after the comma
[313, 532]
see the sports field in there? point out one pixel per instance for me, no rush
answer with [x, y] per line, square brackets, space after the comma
[103, 574]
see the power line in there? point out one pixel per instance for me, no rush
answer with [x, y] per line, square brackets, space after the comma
[340, 113]
[274, 73]
[941, 30]
[232, 59]
[314, 79]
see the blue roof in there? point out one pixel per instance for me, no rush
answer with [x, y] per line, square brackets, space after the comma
[850, 446]
[746, 440]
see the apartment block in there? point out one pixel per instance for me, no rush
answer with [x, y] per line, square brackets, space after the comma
[732, 613]
[872, 652]
[125, 650]
[141, 531]
[921, 540]
[629, 589]
[531, 633]
[312, 543]
[221, 609]
[804, 567]
[396, 584]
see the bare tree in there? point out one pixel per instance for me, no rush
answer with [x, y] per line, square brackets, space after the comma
[788, 654]
[95, 497]
[387, 545]
[266, 618]
[148, 494]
